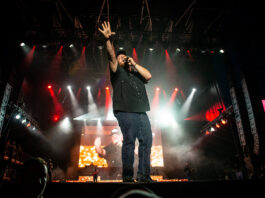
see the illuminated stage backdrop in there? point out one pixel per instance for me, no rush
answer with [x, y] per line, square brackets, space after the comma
[89, 156]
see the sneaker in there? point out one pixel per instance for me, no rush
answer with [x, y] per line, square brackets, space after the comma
[128, 179]
[146, 179]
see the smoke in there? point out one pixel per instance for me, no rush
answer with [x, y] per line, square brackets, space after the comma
[204, 163]
[62, 175]
[181, 152]
[58, 174]
[66, 164]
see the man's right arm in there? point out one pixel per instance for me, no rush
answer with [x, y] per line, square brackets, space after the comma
[112, 57]
[106, 31]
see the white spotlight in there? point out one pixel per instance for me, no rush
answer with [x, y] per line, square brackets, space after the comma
[69, 87]
[165, 117]
[115, 130]
[71, 45]
[18, 116]
[194, 89]
[88, 87]
[121, 48]
[99, 125]
[178, 50]
[151, 49]
[65, 124]
[221, 51]
[22, 44]
[212, 129]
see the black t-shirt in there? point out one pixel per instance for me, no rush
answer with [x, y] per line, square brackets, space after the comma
[129, 93]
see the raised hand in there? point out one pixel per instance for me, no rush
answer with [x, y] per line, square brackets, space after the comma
[106, 30]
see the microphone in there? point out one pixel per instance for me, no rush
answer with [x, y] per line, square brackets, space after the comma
[129, 65]
[126, 60]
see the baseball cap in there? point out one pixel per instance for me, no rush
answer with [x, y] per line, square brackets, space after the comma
[120, 52]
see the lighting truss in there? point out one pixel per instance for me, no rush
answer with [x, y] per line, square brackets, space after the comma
[218, 121]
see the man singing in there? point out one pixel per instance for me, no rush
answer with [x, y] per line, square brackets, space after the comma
[130, 103]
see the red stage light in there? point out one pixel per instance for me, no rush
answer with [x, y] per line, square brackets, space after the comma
[49, 86]
[28, 125]
[107, 88]
[176, 89]
[213, 111]
[55, 118]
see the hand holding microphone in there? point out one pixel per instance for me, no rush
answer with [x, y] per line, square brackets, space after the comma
[130, 61]
[130, 64]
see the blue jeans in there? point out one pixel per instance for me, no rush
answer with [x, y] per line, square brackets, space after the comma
[135, 125]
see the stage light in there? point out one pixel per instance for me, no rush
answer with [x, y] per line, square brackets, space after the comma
[217, 125]
[151, 49]
[65, 124]
[194, 89]
[88, 87]
[157, 89]
[165, 118]
[56, 118]
[212, 52]
[69, 87]
[18, 117]
[221, 51]
[49, 86]
[223, 121]
[178, 50]
[33, 128]
[176, 89]
[28, 125]
[203, 51]
[121, 48]
[107, 88]
[22, 44]
[71, 45]
[24, 121]
[44, 46]
[212, 129]
[207, 132]
[115, 130]
[100, 47]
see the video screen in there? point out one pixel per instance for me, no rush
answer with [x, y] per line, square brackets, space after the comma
[101, 146]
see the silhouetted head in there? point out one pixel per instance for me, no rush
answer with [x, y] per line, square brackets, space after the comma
[34, 177]
[134, 191]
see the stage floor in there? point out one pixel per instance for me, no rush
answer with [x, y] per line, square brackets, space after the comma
[162, 189]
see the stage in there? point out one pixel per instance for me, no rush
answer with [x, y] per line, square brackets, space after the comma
[162, 189]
